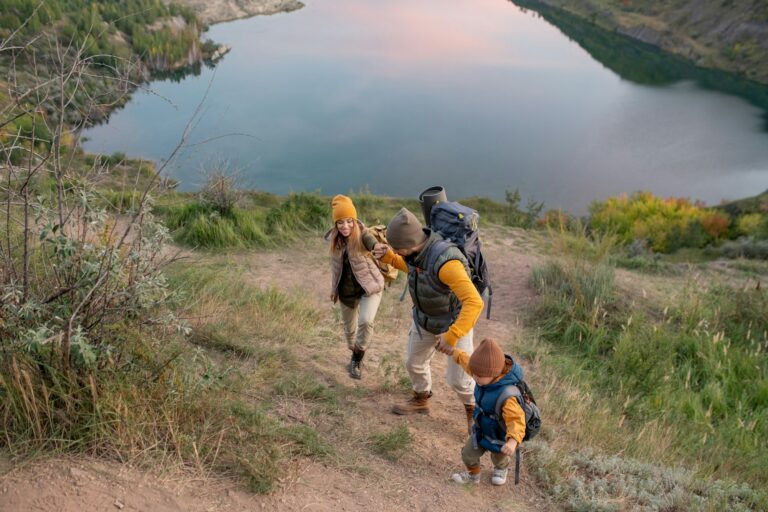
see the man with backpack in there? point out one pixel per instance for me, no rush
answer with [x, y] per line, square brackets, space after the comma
[446, 306]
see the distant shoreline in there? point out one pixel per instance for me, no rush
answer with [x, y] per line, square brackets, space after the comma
[212, 12]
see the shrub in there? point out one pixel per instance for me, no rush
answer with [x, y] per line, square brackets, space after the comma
[667, 224]
[585, 480]
[219, 192]
[508, 213]
[715, 224]
[744, 247]
[754, 225]
[558, 220]
[297, 213]
[198, 224]
[518, 217]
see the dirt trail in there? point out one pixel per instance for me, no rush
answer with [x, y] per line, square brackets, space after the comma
[357, 478]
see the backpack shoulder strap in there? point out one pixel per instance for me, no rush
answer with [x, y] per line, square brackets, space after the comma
[508, 392]
[437, 250]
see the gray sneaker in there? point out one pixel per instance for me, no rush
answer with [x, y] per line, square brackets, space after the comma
[465, 477]
[499, 476]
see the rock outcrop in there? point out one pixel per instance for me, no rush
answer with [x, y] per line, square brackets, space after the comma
[216, 11]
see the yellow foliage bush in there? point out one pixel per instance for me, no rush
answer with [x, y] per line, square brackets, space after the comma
[750, 224]
[666, 223]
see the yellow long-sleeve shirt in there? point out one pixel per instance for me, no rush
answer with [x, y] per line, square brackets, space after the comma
[454, 276]
[512, 414]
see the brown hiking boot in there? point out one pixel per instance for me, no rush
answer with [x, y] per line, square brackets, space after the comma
[417, 404]
[355, 364]
[469, 410]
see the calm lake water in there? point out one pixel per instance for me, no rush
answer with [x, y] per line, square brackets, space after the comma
[477, 95]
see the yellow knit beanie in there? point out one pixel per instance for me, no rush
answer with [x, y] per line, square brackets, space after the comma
[343, 208]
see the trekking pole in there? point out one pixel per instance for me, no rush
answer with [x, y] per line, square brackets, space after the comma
[517, 465]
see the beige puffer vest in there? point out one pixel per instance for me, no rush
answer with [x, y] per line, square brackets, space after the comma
[364, 268]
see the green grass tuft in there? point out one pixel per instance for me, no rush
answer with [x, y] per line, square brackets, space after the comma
[393, 444]
[198, 224]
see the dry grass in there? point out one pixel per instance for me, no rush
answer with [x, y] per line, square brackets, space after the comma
[599, 375]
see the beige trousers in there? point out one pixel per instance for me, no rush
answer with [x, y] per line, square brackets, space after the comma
[358, 321]
[418, 359]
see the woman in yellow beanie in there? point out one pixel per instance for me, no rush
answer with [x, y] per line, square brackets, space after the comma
[356, 280]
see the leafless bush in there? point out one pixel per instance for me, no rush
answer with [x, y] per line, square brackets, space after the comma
[70, 270]
[220, 191]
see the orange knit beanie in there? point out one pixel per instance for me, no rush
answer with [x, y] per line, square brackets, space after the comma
[487, 360]
[343, 208]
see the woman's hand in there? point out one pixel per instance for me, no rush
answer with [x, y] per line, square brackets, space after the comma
[380, 250]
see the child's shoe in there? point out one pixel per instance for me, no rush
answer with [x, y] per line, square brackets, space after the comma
[465, 477]
[499, 476]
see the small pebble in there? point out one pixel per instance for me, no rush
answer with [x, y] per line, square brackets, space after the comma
[119, 504]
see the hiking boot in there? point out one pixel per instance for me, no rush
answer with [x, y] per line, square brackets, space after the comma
[417, 404]
[465, 477]
[469, 409]
[355, 364]
[499, 476]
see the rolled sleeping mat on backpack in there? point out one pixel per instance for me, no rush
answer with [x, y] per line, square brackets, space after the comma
[429, 198]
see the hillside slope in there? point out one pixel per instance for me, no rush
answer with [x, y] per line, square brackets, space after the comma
[572, 465]
[357, 476]
[731, 36]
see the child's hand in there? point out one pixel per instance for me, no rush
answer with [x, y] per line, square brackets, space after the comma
[509, 448]
[380, 250]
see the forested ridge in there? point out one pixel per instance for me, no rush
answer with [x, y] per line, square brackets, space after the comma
[108, 30]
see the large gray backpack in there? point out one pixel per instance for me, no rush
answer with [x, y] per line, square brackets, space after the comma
[458, 224]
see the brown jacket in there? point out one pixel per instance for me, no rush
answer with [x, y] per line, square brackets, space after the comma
[364, 268]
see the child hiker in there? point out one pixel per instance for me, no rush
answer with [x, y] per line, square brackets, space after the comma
[493, 371]
[356, 281]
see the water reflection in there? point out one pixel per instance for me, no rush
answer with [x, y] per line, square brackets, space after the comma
[643, 64]
[473, 94]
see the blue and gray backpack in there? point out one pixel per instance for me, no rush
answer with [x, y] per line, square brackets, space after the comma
[522, 393]
[458, 224]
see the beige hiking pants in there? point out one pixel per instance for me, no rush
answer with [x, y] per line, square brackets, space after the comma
[358, 321]
[418, 359]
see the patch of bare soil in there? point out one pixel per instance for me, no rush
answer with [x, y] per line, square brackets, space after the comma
[356, 477]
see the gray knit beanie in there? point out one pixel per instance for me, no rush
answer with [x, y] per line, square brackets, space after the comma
[405, 231]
